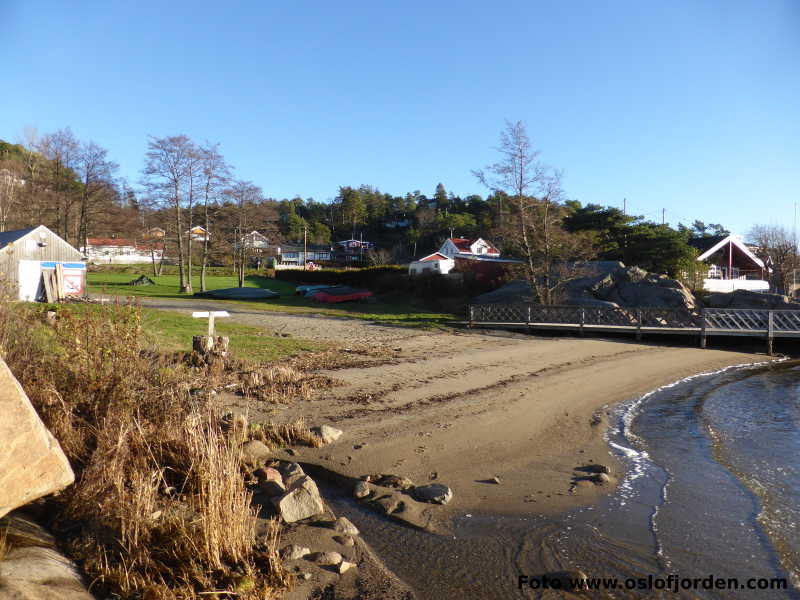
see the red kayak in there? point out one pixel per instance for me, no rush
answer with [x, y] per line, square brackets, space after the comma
[332, 295]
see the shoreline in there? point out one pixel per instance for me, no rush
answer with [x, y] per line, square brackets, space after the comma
[590, 388]
[433, 414]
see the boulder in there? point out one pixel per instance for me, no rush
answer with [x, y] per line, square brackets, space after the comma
[291, 472]
[255, 452]
[271, 488]
[748, 299]
[343, 525]
[605, 284]
[302, 501]
[361, 490]
[344, 566]
[326, 558]
[327, 434]
[32, 568]
[436, 493]
[32, 463]
[294, 552]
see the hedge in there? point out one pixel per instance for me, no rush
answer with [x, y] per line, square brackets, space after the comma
[366, 277]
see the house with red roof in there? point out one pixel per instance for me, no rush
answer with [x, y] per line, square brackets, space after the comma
[116, 250]
[436, 263]
[466, 248]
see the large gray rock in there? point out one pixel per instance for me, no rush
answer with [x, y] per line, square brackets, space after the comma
[748, 299]
[32, 463]
[302, 501]
[33, 569]
[605, 284]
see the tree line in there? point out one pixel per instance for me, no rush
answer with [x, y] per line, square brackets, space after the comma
[72, 186]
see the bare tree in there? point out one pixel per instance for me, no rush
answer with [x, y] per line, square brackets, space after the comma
[166, 171]
[96, 172]
[245, 195]
[11, 187]
[550, 253]
[777, 247]
[215, 175]
[62, 150]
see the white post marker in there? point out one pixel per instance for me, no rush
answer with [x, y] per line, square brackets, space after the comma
[210, 315]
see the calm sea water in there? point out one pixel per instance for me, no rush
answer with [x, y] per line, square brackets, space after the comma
[712, 488]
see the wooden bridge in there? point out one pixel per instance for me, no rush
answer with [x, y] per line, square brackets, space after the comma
[760, 323]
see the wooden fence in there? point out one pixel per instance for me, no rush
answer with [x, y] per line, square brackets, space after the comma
[768, 324]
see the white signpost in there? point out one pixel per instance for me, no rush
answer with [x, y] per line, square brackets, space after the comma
[210, 315]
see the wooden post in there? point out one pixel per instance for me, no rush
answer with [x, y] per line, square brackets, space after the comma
[638, 324]
[530, 316]
[770, 331]
[471, 316]
[702, 327]
[583, 321]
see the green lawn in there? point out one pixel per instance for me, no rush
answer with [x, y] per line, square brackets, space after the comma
[169, 331]
[393, 312]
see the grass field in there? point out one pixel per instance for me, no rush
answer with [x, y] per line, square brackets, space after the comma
[168, 331]
[392, 311]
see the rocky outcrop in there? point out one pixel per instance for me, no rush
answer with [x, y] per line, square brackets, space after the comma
[32, 463]
[605, 283]
[748, 299]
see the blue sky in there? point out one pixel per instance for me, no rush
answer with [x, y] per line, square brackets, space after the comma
[691, 106]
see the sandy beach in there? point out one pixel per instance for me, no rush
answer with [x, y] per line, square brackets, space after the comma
[462, 408]
[469, 407]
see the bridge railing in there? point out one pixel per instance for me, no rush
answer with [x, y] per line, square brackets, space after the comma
[708, 319]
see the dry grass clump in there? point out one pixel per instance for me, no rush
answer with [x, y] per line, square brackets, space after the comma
[286, 434]
[280, 384]
[159, 508]
[342, 358]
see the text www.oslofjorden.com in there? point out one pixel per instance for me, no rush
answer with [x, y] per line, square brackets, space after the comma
[669, 583]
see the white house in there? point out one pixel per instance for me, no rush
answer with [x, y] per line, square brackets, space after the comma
[732, 265]
[436, 263]
[120, 251]
[198, 234]
[465, 248]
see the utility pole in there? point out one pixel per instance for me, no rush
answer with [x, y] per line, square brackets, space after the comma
[663, 216]
[305, 246]
[624, 206]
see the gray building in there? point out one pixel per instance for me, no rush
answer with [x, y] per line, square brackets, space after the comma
[26, 253]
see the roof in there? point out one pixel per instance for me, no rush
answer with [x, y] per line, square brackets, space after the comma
[465, 245]
[736, 241]
[7, 237]
[434, 256]
[109, 242]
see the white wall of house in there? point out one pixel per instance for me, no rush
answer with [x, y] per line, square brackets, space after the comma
[730, 285]
[441, 267]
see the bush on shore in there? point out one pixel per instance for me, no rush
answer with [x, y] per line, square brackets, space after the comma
[159, 508]
[352, 277]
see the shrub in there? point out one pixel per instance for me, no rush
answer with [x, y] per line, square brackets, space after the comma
[159, 508]
[365, 277]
